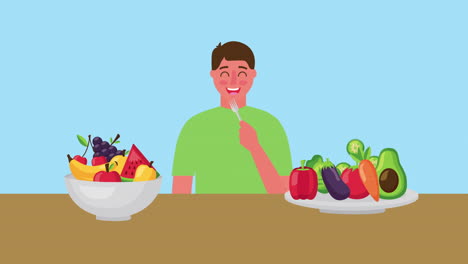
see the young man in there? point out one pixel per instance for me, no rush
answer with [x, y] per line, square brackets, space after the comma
[227, 155]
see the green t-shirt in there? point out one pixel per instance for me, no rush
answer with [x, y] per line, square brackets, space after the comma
[209, 148]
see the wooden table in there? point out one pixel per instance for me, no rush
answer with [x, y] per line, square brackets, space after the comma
[232, 229]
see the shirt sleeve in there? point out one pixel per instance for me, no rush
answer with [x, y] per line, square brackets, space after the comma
[274, 142]
[184, 159]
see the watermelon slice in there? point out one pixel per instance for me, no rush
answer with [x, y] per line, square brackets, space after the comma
[135, 159]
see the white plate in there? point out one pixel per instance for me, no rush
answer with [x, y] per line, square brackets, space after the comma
[326, 204]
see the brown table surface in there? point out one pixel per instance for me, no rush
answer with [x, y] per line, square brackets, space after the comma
[232, 228]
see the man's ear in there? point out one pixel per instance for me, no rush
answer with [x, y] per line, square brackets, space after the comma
[254, 73]
[212, 73]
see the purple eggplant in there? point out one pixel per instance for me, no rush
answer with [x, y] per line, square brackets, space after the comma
[335, 186]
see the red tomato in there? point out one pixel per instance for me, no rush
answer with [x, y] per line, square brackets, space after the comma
[353, 180]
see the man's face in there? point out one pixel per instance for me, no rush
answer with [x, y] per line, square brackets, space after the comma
[233, 78]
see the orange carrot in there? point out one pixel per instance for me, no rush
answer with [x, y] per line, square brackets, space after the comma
[369, 178]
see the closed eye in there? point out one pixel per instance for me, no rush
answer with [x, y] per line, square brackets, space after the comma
[221, 75]
[245, 74]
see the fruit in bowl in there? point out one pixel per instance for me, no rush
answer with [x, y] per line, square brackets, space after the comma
[114, 187]
[112, 201]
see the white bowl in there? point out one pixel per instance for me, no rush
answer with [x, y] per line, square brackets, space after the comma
[112, 201]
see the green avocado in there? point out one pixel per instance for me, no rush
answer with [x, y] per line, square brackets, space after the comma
[392, 177]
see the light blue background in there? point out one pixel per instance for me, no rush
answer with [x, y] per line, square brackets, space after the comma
[392, 73]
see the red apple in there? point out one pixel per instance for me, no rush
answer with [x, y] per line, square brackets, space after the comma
[104, 176]
[107, 176]
[98, 161]
[351, 177]
[80, 159]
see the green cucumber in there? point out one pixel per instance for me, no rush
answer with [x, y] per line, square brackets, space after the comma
[354, 146]
[342, 166]
[374, 160]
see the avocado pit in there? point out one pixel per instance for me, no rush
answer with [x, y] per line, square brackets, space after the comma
[388, 180]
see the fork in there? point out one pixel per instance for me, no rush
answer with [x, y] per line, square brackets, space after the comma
[235, 108]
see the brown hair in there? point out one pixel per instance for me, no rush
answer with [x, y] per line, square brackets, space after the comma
[232, 50]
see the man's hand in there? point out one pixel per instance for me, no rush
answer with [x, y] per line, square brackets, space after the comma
[248, 136]
[272, 181]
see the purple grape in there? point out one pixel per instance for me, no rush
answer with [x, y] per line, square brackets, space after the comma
[97, 154]
[119, 152]
[112, 149]
[105, 145]
[104, 152]
[110, 156]
[97, 140]
[97, 148]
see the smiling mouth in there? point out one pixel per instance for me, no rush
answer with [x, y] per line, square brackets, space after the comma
[233, 90]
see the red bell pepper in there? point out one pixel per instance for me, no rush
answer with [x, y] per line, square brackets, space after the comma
[303, 183]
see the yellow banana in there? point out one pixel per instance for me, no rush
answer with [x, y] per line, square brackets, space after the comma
[119, 163]
[84, 172]
[144, 173]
